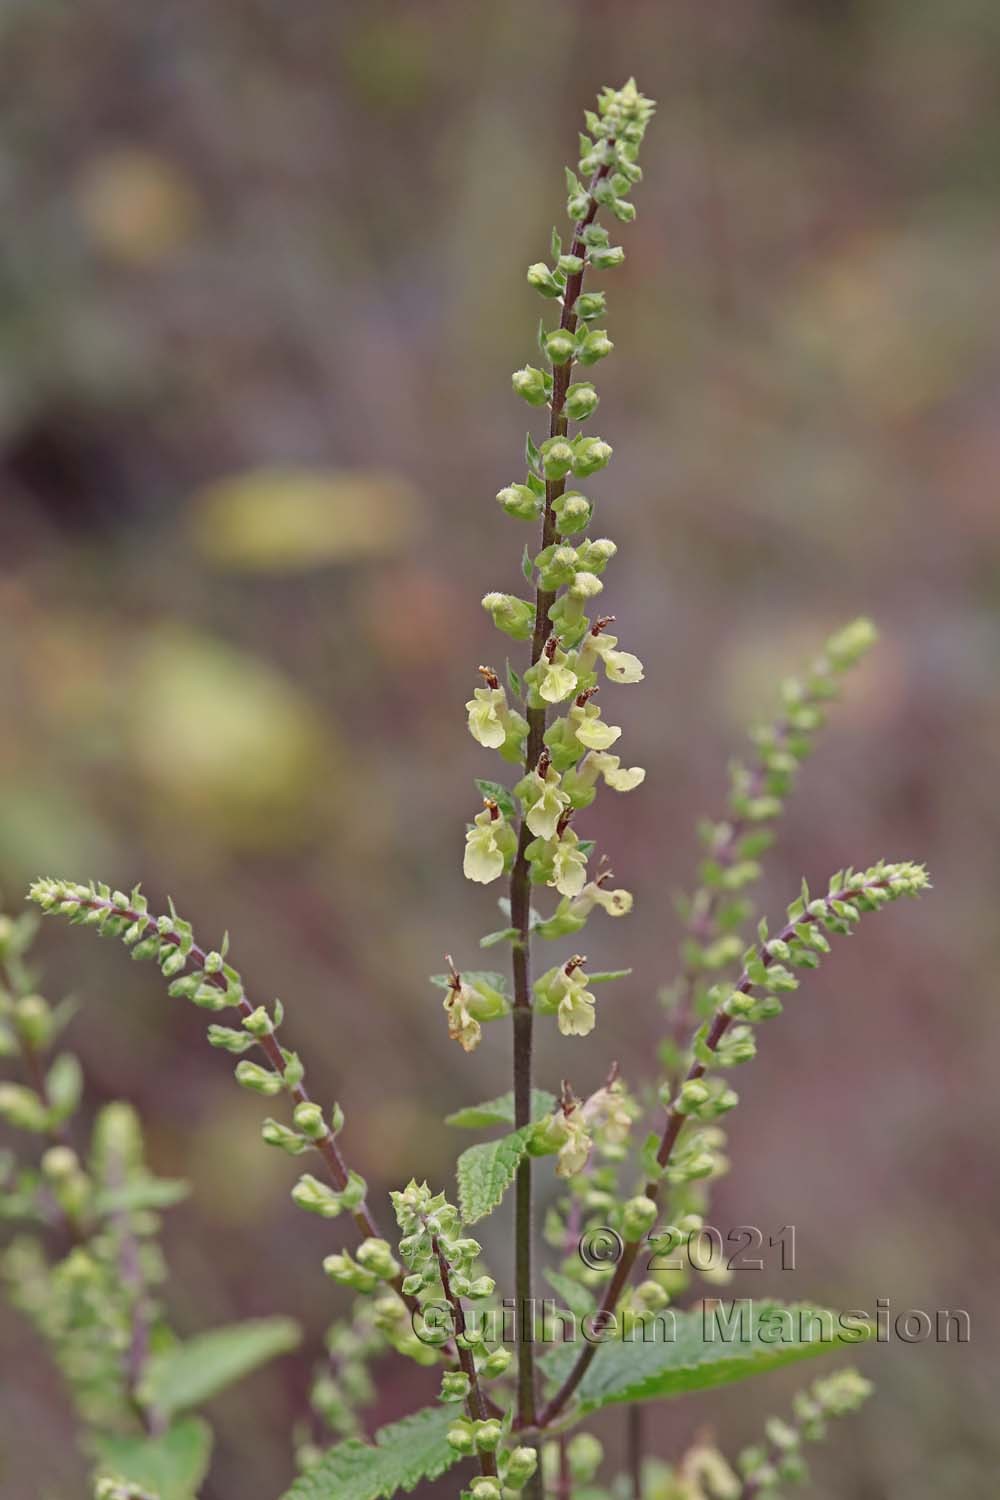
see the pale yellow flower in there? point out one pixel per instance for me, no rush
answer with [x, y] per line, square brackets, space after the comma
[484, 858]
[549, 805]
[487, 710]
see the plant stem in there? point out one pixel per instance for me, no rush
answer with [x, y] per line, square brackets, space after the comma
[466, 1359]
[565, 1482]
[671, 1130]
[520, 885]
[633, 1446]
[327, 1144]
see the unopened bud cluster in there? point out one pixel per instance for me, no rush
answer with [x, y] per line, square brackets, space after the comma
[758, 793]
[769, 1466]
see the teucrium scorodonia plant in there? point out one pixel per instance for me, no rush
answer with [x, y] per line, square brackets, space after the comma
[422, 1288]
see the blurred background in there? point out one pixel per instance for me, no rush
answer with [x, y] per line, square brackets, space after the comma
[261, 288]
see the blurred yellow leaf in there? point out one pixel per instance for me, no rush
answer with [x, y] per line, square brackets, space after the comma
[287, 520]
[136, 205]
[227, 743]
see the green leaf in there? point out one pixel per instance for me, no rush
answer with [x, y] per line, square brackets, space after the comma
[191, 1373]
[64, 1086]
[500, 1111]
[502, 935]
[171, 1466]
[604, 976]
[404, 1454]
[499, 794]
[514, 681]
[486, 1171]
[680, 1355]
[575, 1295]
[141, 1193]
[527, 567]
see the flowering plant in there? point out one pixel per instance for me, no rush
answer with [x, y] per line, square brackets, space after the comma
[511, 1409]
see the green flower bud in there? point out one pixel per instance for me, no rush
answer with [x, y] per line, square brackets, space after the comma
[571, 625]
[497, 1363]
[488, 1436]
[581, 401]
[590, 305]
[569, 265]
[273, 1133]
[515, 617]
[558, 457]
[482, 1286]
[652, 1296]
[316, 1198]
[343, 1270]
[520, 501]
[848, 645]
[623, 211]
[208, 997]
[454, 1386]
[589, 455]
[485, 1488]
[376, 1256]
[585, 585]
[532, 384]
[460, 1438]
[792, 1468]
[595, 556]
[230, 1040]
[542, 279]
[559, 345]
[172, 963]
[259, 1023]
[308, 1118]
[694, 1093]
[354, 1194]
[59, 1162]
[521, 1465]
[22, 1108]
[585, 1455]
[638, 1218]
[603, 257]
[260, 1080]
[33, 1019]
[573, 512]
[556, 566]
[592, 346]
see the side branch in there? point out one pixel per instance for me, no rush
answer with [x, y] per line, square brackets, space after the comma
[835, 911]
